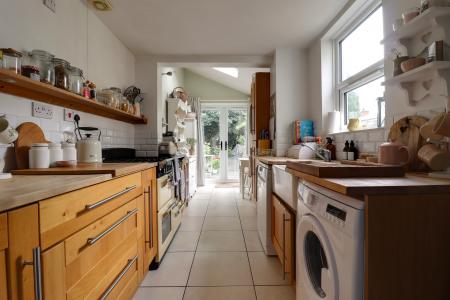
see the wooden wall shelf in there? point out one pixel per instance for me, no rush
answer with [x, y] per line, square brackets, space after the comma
[18, 85]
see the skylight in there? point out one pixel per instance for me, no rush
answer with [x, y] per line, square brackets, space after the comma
[233, 72]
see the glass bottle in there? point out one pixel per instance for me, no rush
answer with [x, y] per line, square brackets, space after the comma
[76, 80]
[62, 79]
[44, 60]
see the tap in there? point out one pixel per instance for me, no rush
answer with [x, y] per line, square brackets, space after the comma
[324, 154]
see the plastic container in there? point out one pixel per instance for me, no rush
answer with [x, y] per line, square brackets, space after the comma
[76, 80]
[46, 66]
[69, 152]
[39, 156]
[56, 153]
[62, 74]
[11, 60]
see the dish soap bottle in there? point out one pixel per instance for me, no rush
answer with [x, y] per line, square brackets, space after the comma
[331, 148]
[345, 150]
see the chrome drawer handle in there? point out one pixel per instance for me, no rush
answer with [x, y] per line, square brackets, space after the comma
[97, 204]
[150, 217]
[36, 263]
[92, 241]
[119, 277]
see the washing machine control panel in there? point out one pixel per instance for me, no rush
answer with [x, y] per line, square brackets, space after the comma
[334, 214]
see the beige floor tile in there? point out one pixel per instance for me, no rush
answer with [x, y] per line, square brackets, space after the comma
[220, 269]
[184, 241]
[249, 223]
[247, 210]
[223, 211]
[189, 223]
[221, 241]
[245, 202]
[220, 293]
[159, 293]
[221, 223]
[173, 271]
[275, 292]
[266, 270]
[195, 210]
[252, 241]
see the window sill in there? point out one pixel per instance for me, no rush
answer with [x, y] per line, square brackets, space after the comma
[356, 131]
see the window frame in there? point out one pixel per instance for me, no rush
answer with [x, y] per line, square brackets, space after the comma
[363, 77]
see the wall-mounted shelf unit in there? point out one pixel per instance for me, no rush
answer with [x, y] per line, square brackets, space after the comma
[18, 85]
[432, 17]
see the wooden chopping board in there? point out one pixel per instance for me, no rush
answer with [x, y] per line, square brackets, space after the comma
[337, 170]
[115, 170]
[407, 132]
[29, 133]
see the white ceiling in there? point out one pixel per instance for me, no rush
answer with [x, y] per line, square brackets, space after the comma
[218, 27]
[242, 83]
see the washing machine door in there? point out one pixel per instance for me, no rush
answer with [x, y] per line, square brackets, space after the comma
[316, 265]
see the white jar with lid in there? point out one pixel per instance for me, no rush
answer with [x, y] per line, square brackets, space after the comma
[69, 151]
[39, 156]
[56, 153]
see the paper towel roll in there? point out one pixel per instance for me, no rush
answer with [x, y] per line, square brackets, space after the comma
[332, 122]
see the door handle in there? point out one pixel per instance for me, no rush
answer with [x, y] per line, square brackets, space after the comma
[36, 263]
[226, 145]
[221, 145]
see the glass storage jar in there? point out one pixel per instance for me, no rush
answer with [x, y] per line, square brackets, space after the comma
[76, 80]
[11, 59]
[30, 67]
[107, 97]
[44, 60]
[62, 73]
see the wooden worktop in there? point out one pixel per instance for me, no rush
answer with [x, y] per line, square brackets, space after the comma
[410, 184]
[21, 190]
[275, 160]
[115, 169]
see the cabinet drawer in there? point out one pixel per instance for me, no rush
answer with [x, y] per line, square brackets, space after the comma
[3, 231]
[66, 214]
[87, 247]
[3, 286]
[116, 269]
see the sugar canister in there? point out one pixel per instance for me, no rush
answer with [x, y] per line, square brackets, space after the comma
[39, 156]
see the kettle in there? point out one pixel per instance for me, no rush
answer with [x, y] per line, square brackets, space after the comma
[89, 147]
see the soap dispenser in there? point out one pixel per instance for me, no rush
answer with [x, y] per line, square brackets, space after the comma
[331, 148]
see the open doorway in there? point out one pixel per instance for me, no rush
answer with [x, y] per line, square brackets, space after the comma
[225, 139]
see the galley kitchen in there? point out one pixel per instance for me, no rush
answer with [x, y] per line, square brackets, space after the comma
[227, 149]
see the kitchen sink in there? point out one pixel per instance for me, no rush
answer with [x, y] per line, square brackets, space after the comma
[284, 185]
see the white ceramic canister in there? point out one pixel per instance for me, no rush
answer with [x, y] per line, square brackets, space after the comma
[39, 156]
[56, 153]
[69, 151]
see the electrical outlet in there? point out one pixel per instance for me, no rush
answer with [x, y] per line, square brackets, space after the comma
[51, 4]
[41, 110]
[68, 115]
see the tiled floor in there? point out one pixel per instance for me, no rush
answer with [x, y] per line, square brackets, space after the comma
[217, 255]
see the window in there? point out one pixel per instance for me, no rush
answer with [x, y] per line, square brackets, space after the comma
[233, 72]
[360, 70]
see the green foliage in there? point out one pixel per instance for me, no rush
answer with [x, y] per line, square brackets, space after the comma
[216, 164]
[353, 107]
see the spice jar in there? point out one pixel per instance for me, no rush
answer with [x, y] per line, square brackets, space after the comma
[30, 67]
[76, 80]
[11, 59]
[62, 74]
[44, 61]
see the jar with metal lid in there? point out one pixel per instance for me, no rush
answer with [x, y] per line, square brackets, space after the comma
[44, 60]
[62, 74]
[11, 59]
[30, 67]
[76, 80]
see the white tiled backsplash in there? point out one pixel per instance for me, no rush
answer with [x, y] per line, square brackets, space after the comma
[366, 141]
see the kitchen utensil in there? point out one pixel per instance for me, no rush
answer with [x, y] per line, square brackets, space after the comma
[7, 133]
[410, 14]
[406, 131]
[28, 134]
[426, 131]
[442, 125]
[39, 156]
[393, 153]
[412, 63]
[89, 147]
[435, 157]
[353, 124]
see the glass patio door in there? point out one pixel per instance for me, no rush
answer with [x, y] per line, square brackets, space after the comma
[225, 140]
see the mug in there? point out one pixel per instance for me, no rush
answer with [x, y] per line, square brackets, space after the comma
[436, 158]
[353, 124]
[442, 125]
[7, 133]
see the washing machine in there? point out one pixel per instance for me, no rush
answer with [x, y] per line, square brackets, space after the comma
[330, 245]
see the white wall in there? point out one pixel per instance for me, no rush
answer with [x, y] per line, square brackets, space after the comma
[289, 73]
[77, 35]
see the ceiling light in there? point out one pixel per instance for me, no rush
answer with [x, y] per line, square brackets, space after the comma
[233, 72]
[102, 5]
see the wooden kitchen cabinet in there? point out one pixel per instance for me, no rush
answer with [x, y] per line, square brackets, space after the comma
[23, 236]
[3, 248]
[283, 237]
[150, 217]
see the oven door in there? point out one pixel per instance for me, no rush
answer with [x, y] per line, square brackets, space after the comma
[166, 190]
[169, 219]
